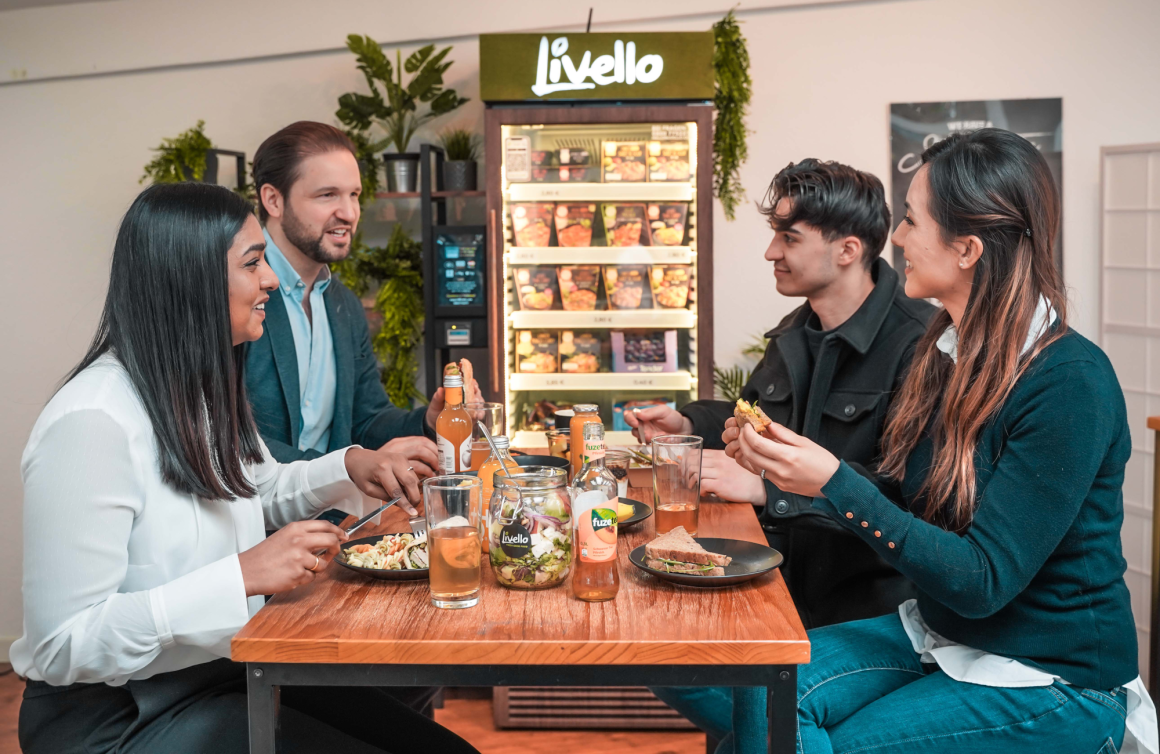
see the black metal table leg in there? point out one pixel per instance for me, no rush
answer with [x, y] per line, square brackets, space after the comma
[264, 699]
[782, 703]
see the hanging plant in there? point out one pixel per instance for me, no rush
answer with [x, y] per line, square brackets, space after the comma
[396, 269]
[733, 92]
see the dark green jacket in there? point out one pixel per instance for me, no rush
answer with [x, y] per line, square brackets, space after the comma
[1039, 575]
[840, 404]
[363, 415]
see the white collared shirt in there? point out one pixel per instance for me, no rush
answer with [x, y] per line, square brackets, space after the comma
[124, 577]
[984, 669]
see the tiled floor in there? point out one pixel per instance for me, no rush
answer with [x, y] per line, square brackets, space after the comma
[470, 718]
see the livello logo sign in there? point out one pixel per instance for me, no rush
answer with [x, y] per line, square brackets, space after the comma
[521, 67]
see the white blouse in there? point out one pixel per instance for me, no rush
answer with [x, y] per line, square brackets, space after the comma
[124, 577]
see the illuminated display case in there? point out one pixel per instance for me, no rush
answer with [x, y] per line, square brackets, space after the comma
[600, 268]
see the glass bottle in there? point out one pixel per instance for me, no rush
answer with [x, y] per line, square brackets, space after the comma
[584, 413]
[595, 577]
[453, 429]
[489, 467]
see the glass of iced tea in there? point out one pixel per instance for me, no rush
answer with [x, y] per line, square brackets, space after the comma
[676, 470]
[453, 504]
[491, 414]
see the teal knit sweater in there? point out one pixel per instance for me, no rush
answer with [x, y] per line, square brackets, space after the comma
[1039, 575]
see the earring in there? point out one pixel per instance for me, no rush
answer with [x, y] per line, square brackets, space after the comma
[962, 264]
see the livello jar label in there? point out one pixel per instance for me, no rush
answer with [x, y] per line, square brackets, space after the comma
[597, 535]
[515, 541]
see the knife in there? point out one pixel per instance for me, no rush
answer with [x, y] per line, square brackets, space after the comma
[362, 521]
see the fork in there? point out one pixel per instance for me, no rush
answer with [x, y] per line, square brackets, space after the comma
[418, 526]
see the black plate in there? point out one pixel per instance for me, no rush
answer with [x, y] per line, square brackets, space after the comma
[640, 511]
[416, 574]
[750, 560]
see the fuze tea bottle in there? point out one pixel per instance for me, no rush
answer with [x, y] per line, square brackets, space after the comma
[595, 578]
[453, 428]
[487, 475]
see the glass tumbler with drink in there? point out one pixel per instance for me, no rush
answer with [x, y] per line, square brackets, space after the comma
[676, 470]
[491, 414]
[453, 504]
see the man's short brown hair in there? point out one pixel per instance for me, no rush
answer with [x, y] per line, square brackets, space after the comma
[277, 161]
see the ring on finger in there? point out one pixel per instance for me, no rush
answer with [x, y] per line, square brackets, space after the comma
[314, 568]
[410, 468]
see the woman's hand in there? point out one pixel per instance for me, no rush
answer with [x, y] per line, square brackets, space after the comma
[286, 558]
[725, 478]
[790, 461]
[384, 476]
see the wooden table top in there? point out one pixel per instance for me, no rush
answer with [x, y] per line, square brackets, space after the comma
[344, 617]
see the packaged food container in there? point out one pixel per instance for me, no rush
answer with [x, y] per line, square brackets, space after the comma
[581, 352]
[579, 286]
[577, 166]
[669, 161]
[625, 162]
[543, 165]
[536, 287]
[644, 351]
[532, 223]
[670, 285]
[624, 224]
[625, 285]
[530, 528]
[536, 351]
[666, 223]
[574, 224]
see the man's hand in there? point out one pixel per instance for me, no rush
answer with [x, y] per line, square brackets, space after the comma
[435, 407]
[384, 476]
[648, 423]
[420, 451]
[730, 436]
[724, 477]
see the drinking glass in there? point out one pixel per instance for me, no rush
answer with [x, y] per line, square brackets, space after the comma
[453, 504]
[558, 443]
[491, 414]
[617, 462]
[676, 474]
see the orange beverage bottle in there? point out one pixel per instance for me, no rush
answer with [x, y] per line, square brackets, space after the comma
[453, 429]
[585, 413]
[594, 576]
[487, 476]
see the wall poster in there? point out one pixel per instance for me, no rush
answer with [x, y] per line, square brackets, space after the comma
[915, 126]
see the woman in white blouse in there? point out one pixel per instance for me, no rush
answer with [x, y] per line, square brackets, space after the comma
[147, 495]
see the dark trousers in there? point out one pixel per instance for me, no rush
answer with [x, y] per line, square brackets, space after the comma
[203, 709]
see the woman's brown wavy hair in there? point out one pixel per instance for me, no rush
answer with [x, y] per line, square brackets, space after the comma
[993, 184]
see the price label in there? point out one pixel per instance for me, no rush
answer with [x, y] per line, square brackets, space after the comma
[643, 381]
[602, 319]
[553, 381]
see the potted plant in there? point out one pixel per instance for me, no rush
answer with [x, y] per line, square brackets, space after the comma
[394, 106]
[460, 151]
[191, 156]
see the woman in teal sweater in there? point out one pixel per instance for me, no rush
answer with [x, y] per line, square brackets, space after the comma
[1003, 462]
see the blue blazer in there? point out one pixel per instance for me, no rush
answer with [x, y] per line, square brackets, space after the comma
[363, 414]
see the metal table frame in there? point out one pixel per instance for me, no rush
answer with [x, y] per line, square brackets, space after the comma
[264, 682]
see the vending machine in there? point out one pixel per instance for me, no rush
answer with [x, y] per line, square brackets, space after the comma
[599, 216]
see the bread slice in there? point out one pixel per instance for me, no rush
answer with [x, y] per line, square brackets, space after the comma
[679, 546]
[751, 414]
[692, 569]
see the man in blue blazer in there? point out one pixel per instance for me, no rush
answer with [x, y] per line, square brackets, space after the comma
[312, 378]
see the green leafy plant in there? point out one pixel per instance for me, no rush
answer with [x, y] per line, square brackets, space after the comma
[391, 104]
[734, 89]
[181, 158]
[728, 383]
[459, 144]
[396, 269]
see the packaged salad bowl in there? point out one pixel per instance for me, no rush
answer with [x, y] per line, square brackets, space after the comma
[530, 528]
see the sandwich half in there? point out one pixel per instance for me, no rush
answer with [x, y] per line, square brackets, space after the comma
[747, 413]
[677, 552]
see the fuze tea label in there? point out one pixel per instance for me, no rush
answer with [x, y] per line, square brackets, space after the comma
[593, 451]
[515, 541]
[597, 535]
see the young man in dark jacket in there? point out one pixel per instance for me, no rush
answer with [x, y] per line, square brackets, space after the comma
[829, 373]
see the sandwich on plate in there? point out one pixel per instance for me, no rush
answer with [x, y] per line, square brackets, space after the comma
[751, 414]
[677, 552]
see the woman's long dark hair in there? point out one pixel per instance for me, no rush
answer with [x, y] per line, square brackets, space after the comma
[167, 320]
[996, 185]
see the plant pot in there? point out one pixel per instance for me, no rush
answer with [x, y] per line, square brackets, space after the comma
[459, 175]
[402, 172]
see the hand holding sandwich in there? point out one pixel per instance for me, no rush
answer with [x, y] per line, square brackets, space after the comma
[792, 462]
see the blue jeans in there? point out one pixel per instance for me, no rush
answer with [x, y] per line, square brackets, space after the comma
[865, 691]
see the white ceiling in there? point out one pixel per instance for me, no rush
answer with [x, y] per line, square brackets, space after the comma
[14, 4]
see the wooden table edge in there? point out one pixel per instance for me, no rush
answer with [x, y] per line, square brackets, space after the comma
[515, 652]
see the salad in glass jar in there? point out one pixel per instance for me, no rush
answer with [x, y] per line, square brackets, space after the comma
[530, 528]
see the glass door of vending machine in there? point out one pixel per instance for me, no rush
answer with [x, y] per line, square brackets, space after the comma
[601, 260]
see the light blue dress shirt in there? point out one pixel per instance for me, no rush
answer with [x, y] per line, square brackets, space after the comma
[314, 346]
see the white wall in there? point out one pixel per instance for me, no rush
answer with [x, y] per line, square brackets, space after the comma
[823, 79]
